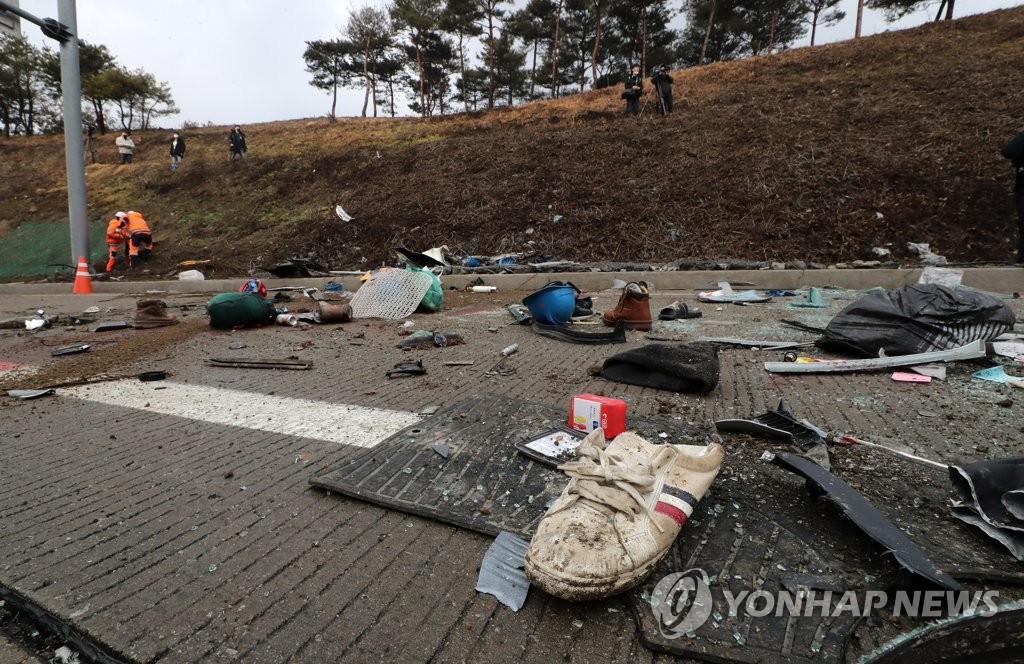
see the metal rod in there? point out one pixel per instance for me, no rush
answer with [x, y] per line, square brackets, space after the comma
[890, 450]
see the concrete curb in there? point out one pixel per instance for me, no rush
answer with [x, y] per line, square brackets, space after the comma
[993, 279]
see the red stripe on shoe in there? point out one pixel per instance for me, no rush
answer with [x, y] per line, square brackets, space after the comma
[677, 515]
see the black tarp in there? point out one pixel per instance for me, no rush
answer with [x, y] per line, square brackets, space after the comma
[919, 318]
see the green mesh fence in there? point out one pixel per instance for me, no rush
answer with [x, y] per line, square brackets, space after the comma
[34, 247]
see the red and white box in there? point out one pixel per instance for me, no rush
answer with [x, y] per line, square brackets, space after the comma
[588, 412]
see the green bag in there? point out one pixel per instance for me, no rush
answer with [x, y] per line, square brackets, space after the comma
[229, 310]
[435, 294]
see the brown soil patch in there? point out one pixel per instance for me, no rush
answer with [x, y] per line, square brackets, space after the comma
[109, 361]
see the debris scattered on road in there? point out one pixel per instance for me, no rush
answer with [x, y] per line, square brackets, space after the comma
[552, 447]
[501, 573]
[29, 394]
[726, 294]
[689, 367]
[918, 318]
[970, 351]
[391, 294]
[401, 369]
[812, 300]
[110, 326]
[574, 333]
[71, 350]
[908, 377]
[868, 518]
[990, 495]
[678, 310]
[998, 374]
[231, 310]
[258, 363]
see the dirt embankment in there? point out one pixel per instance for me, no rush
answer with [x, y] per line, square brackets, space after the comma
[814, 154]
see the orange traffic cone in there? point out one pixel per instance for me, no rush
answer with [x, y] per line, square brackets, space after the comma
[83, 284]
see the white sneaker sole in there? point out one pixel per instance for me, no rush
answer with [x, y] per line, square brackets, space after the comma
[581, 589]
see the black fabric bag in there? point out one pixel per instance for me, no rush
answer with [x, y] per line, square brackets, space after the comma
[678, 368]
[920, 318]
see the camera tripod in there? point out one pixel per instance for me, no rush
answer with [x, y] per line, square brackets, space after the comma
[647, 98]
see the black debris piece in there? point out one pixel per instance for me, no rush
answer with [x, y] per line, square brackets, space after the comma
[869, 519]
[689, 367]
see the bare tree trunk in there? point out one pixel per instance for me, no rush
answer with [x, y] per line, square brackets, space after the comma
[462, 68]
[533, 71]
[554, 53]
[707, 33]
[373, 88]
[366, 80]
[814, 26]
[643, 38]
[949, 9]
[597, 45]
[860, 18]
[490, 58]
[771, 34]
[423, 83]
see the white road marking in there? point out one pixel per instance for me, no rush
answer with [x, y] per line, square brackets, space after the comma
[322, 420]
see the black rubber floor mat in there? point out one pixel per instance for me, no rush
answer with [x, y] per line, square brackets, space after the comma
[745, 550]
[484, 484]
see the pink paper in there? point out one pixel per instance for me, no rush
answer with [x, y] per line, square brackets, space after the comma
[907, 377]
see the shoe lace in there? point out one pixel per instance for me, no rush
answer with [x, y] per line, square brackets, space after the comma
[608, 481]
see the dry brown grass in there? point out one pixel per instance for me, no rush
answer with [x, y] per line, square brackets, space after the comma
[818, 154]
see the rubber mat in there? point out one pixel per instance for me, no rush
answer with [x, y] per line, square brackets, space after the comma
[484, 484]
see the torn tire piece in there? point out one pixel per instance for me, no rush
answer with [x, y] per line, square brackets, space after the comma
[407, 369]
[568, 333]
[868, 518]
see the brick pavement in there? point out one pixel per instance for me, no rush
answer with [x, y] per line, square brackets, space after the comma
[179, 541]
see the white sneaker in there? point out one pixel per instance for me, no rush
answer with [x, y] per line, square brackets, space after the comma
[619, 514]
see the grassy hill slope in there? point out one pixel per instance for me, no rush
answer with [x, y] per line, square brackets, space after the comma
[817, 154]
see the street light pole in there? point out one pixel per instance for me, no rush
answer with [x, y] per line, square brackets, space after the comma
[74, 152]
[65, 31]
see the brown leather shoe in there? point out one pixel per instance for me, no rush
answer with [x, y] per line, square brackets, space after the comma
[634, 308]
[153, 313]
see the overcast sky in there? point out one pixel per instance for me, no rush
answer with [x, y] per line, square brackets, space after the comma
[240, 61]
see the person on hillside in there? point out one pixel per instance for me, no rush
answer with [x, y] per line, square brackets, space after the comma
[663, 85]
[140, 238]
[1014, 151]
[125, 147]
[177, 150]
[117, 235]
[236, 143]
[634, 88]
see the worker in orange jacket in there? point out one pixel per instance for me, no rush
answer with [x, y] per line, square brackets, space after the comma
[140, 238]
[116, 236]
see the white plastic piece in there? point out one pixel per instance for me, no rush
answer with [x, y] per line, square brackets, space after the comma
[971, 351]
[191, 275]
[344, 216]
[390, 294]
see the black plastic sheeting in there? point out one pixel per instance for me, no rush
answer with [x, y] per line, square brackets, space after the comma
[919, 318]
